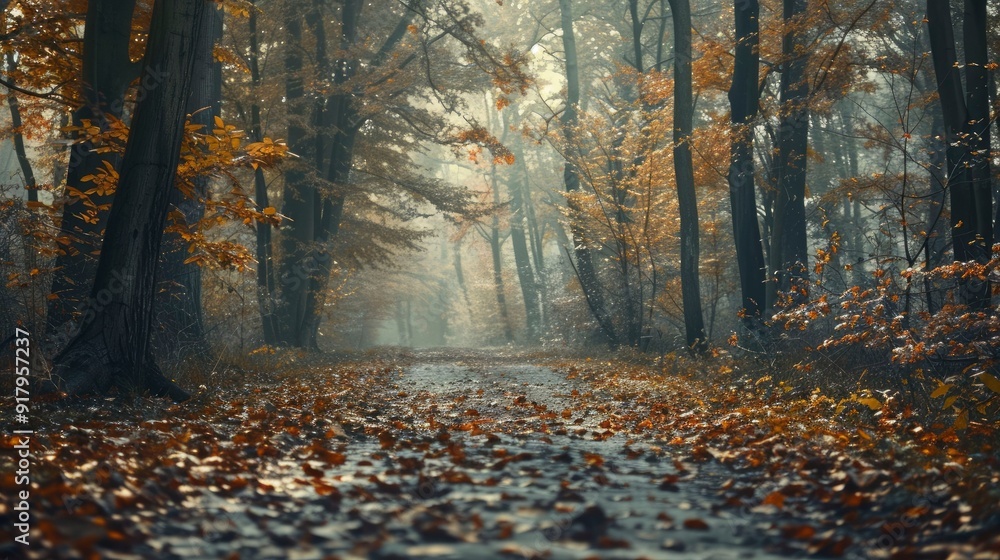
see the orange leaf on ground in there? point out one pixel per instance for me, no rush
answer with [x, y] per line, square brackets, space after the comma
[776, 499]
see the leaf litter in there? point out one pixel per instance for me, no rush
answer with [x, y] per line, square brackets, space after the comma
[466, 454]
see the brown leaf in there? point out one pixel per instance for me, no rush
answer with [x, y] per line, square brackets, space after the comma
[695, 524]
[776, 499]
[386, 439]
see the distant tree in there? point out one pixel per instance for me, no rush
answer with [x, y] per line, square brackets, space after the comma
[266, 288]
[495, 236]
[526, 274]
[369, 95]
[584, 265]
[17, 126]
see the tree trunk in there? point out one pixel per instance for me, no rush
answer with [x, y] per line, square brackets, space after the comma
[179, 297]
[585, 271]
[107, 73]
[534, 235]
[22, 155]
[299, 233]
[339, 170]
[495, 251]
[936, 231]
[744, 100]
[687, 200]
[977, 82]
[789, 249]
[522, 261]
[967, 136]
[113, 347]
[58, 169]
[266, 304]
[460, 275]
[995, 102]
[853, 209]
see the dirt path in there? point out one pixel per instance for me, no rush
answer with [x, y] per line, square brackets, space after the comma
[474, 455]
[576, 496]
[487, 456]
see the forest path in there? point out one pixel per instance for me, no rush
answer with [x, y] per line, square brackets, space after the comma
[481, 454]
[571, 489]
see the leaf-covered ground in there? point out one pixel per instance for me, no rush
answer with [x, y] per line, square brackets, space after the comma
[498, 455]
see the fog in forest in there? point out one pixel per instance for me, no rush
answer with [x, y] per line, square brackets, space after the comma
[655, 175]
[400, 279]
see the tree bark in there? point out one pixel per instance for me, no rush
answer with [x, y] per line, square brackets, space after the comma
[495, 251]
[936, 231]
[112, 348]
[23, 162]
[266, 304]
[338, 173]
[181, 327]
[107, 73]
[299, 233]
[687, 200]
[536, 237]
[744, 98]
[967, 136]
[789, 249]
[522, 260]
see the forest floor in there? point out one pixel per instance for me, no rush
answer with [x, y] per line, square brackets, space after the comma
[495, 454]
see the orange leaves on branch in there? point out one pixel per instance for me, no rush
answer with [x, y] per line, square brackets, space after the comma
[878, 318]
[480, 139]
[217, 153]
[228, 58]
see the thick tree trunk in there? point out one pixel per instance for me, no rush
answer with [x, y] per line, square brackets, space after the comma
[113, 347]
[977, 82]
[687, 200]
[995, 102]
[585, 271]
[789, 249]
[744, 100]
[967, 125]
[319, 277]
[181, 328]
[107, 73]
[298, 233]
